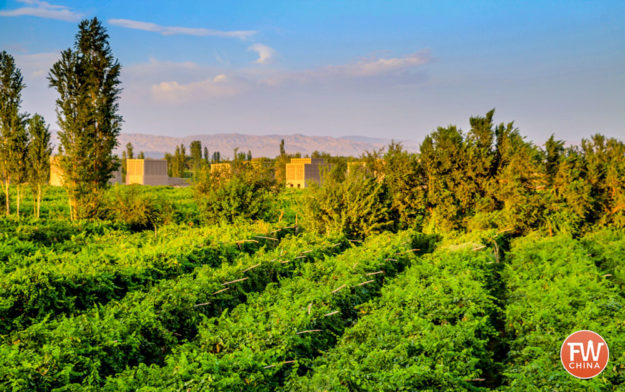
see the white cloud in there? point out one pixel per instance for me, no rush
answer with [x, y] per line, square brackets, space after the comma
[43, 9]
[218, 86]
[375, 67]
[265, 53]
[173, 30]
[369, 68]
[36, 65]
[184, 82]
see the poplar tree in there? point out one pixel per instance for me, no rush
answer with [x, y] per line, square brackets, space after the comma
[182, 160]
[196, 154]
[178, 162]
[39, 153]
[87, 81]
[130, 151]
[280, 162]
[13, 135]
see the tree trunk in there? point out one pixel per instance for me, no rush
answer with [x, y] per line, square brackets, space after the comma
[6, 198]
[38, 200]
[17, 194]
[71, 212]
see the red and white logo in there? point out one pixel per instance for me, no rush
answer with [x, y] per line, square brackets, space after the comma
[584, 354]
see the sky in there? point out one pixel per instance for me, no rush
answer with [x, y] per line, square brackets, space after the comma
[384, 69]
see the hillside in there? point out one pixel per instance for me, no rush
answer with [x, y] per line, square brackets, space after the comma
[266, 145]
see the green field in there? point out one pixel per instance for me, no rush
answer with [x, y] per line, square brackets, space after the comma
[263, 306]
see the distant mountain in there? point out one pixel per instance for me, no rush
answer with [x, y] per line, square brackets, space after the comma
[154, 146]
[260, 146]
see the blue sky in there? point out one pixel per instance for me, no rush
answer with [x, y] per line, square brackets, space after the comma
[373, 68]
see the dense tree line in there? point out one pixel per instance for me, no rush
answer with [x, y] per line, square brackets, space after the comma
[86, 79]
[487, 177]
[24, 140]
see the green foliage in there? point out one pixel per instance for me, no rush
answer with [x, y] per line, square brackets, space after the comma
[139, 211]
[607, 248]
[49, 284]
[555, 289]
[431, 329]
[356, 206]
[13, 133]
[39, 152]
[404, 179]
[179, 161]
[144, 326]
[247, 192]
[244, 349]
[87, 81]
[196, 155]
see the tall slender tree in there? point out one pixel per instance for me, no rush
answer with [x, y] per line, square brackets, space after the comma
[20, 161]
[196, 155]
[13, 136]
[181, 160]
[130, 151]
[38, 158]
[87, 81]
[280, 164]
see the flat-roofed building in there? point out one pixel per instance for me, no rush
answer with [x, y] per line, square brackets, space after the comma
[146, 172]
[301, 172]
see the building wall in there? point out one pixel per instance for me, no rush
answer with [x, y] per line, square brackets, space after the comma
[301, 172]
[146, 172]
[155, 172]
[295, 175]
[134, 171]
[56, 174]
[314, 161]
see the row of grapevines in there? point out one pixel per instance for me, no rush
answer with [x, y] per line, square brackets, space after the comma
[278, 331]
[431, 329]
[111, 243]
[21, 239]
[72, 284]
[143, 327]
[554, 289]
[607, 247]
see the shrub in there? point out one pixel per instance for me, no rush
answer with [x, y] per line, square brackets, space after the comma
[247, 193]
[139, 211]
[357, 206]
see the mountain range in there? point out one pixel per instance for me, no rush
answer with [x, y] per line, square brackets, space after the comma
[261, 146]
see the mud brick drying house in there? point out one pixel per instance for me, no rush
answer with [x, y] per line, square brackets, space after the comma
[300, 172]
[150, 172]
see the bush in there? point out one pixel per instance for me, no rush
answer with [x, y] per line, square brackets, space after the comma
[357, 206]
[247, 193]
[139, 211]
